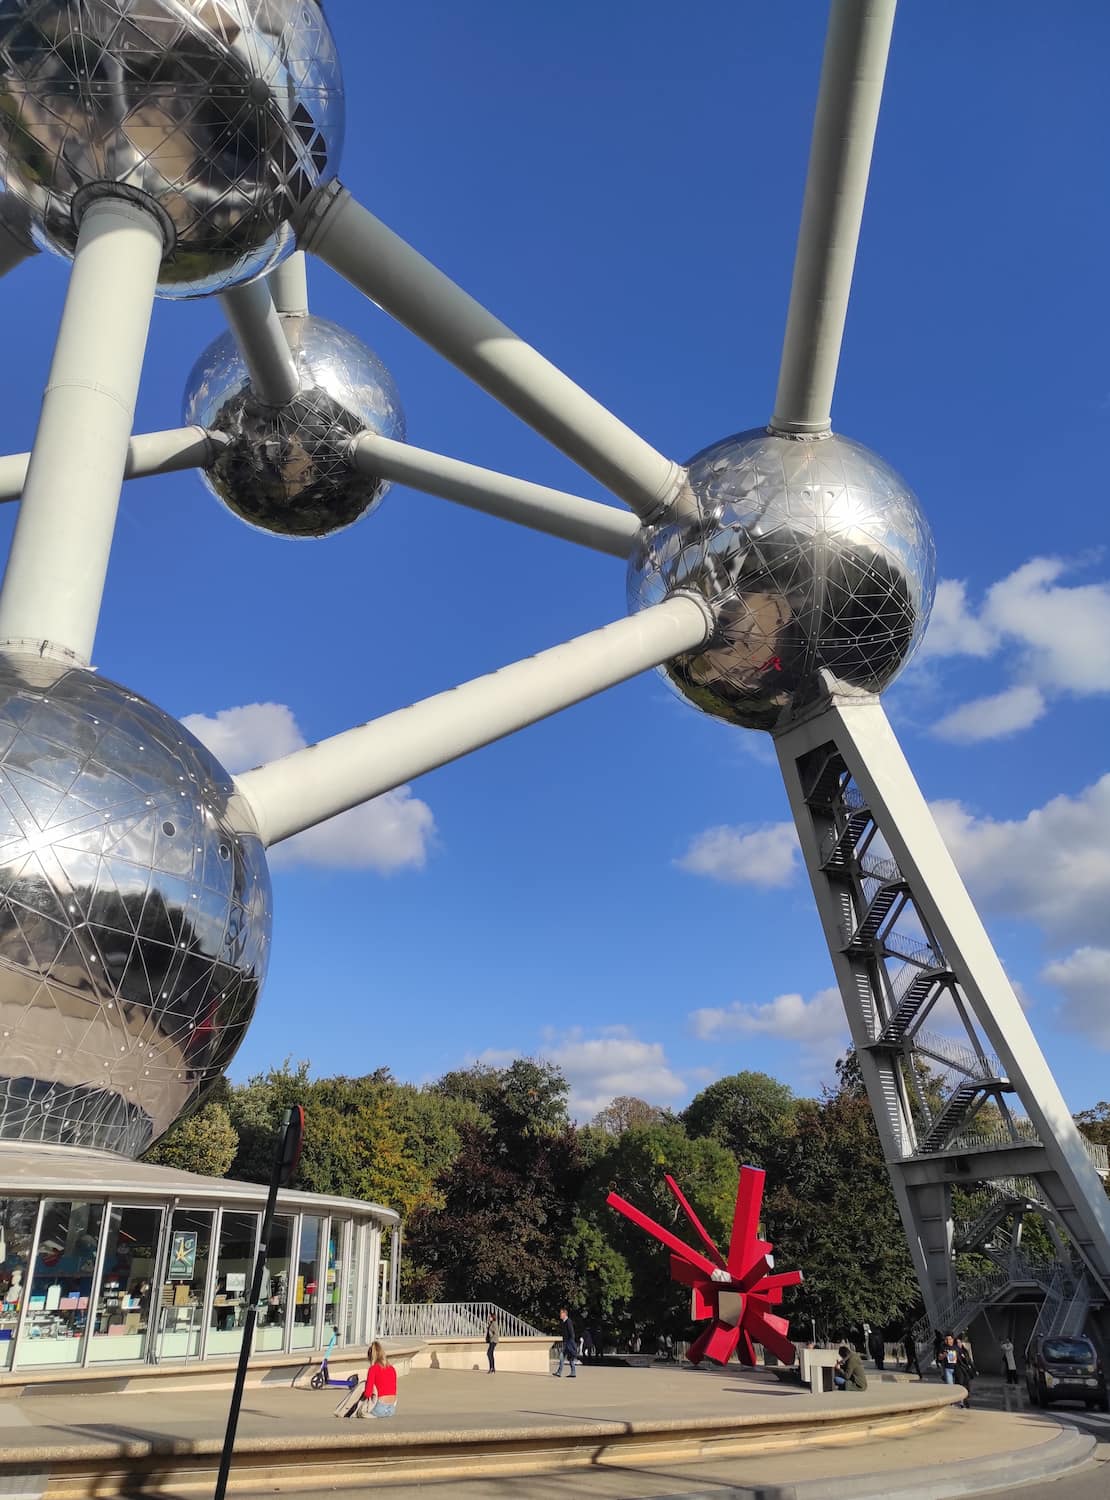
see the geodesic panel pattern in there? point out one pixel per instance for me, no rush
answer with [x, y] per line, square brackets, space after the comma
[814, 554]
[288, 468]
[134, 912]
[225, 114]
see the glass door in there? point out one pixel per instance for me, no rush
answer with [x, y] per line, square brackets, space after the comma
[234, 1269]
[126, 1298]
[57, 1316]
[184, 1284]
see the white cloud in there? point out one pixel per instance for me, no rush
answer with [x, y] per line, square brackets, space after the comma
[1051, 867]
[764, 856]
[393, 832]
[953, 629]
[600, 1068]
[787, 1016]
[818, 1025]
[1056, 636]
[994, 717]
[1084, 979]
[247, 736]
[1064, 630]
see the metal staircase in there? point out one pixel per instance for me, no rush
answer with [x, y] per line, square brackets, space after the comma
[950, 1113]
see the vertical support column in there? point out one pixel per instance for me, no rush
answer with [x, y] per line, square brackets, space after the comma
[374, 1280]
[1049, 1148]
[395, 1265]
[859, 993]
[54, 580]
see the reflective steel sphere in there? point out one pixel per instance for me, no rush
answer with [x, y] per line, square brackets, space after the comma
[287, 468]
[226, 113]
[134, 912]
[814, 553]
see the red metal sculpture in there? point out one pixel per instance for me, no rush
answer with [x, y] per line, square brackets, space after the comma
[736, 1293]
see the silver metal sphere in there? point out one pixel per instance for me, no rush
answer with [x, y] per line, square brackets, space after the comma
[814, 554]
[134, 912]
[226, 114]
[287, 468]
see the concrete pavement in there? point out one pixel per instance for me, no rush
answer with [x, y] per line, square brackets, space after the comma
[612, 1432]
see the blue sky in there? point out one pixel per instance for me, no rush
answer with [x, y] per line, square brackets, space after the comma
[622, 185]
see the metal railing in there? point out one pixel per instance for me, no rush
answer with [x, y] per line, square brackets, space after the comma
[959, 1057]
[451, 1320]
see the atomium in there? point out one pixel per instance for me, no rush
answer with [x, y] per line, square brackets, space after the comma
[134, 912]
[288, 469]
[223, 114]
[813, 553]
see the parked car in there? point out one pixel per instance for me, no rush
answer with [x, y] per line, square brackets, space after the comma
[1065, 1369]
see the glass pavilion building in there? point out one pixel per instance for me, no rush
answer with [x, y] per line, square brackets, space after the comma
[108, 1261]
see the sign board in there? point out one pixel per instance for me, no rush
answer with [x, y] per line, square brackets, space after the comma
[183, 1255]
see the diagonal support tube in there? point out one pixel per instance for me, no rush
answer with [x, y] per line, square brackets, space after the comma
[575, 519]
[289, 285]
[147, 453]
[399, 279]
[310, 786]
[254, 321]
[851, 89]
[56, 568]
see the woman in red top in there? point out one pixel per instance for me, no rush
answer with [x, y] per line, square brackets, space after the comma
[381, 1384]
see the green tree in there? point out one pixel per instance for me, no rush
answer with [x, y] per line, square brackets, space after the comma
[626, 1111]
[368, 1137]
[750, 1113]
[1095, 1123]
[631, 1285]
[204, 1142]
[830, 1211]
[506, 1200]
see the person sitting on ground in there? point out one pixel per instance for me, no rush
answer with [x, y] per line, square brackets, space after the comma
[849, 1374]
[380, 1394]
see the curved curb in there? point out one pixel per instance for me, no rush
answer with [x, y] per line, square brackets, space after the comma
[999, 1473]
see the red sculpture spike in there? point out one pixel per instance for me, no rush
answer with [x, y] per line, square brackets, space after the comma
[737, 1295]
[698, 1227]
[745, 1221]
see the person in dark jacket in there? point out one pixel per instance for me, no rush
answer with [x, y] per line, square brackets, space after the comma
[876, 1347]
[965, 1371]
[849, 1374]
[568, 1350]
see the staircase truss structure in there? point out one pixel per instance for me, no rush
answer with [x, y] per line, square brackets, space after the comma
[961, 1092]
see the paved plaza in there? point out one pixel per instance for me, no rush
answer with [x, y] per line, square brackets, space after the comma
[660, 1431]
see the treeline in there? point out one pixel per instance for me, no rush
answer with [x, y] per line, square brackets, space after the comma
[503, 1197]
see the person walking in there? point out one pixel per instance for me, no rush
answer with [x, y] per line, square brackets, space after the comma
[492, 1335]
[909, 1343]
[849, 1374]
[876, 1347]
[1009, 1360]
[568, 1349]
[965, 1371]
[948, 1356]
